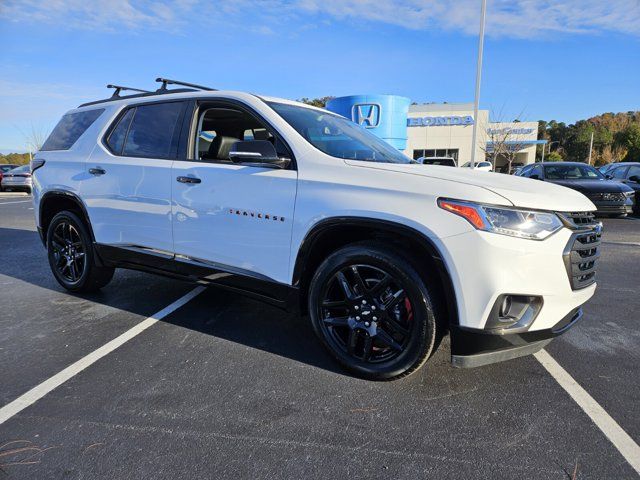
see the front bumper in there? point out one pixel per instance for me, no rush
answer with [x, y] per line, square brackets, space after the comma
[475, 347]
[607, 208]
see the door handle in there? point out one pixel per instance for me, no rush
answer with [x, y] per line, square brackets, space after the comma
[97, 171]
[188, 180]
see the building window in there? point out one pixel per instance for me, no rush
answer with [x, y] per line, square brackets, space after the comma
[440, 152]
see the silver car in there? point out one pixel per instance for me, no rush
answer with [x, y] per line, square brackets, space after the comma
[17, 180]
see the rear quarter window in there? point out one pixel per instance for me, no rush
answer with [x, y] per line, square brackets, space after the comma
[69, 129]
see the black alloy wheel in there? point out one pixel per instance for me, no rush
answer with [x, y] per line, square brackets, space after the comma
[366, 313]
[68, 251]
[71, 256]
[373, 312]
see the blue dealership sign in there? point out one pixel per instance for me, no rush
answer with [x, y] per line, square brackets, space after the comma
[440, 121]
[383, 115]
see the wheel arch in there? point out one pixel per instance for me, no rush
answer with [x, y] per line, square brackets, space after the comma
[55, 201]
[330, 234]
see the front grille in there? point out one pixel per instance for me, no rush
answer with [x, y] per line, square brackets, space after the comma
[583, 250]
[607, 197]
[580, 219]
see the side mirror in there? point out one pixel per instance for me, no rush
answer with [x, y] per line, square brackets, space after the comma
[257, 153]
[609, 176]
[535, 176]
[634, 179]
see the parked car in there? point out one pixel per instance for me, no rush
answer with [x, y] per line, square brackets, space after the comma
[443, 161]
[611, 198]
[484, 166]
[17, 180]
[629, 174]
[306, 210]
[4, 168]
[510, 171]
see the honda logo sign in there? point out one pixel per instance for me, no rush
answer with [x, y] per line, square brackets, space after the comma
[366, 114]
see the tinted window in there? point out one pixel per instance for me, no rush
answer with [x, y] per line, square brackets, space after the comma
[537, 170]
[22, 169]
[151, 131]
[69, 129]
[617, 172]
[634, 171]
[118, 135]
[6, 168]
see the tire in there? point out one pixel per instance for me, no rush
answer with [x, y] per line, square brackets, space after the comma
[378, 324]
[71, 256]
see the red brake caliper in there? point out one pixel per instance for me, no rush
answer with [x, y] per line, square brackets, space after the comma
[407, 306]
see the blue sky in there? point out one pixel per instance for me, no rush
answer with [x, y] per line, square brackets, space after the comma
[543, 60]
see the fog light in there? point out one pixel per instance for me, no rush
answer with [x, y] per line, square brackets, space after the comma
[513, 313]
[505, 308]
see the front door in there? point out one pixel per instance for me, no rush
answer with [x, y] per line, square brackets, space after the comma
[229, 217]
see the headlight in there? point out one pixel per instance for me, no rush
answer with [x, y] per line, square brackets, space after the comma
[515, 222]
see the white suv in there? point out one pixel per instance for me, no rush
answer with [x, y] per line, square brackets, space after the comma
[304, 209]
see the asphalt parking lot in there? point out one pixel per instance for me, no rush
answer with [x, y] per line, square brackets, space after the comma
[226, 387]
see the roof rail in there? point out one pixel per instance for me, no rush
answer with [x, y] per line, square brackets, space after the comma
[166, 81]
[119, 88]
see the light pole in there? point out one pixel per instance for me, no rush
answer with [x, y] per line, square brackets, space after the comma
[483, 14]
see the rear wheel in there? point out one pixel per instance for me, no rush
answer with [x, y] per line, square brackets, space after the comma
[373, 312]
[71, 257]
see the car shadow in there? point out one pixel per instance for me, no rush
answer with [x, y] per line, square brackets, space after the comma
[217, 312]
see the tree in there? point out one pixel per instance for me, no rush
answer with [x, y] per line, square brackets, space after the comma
[501, 142]
[14, 158]
[316, 102]
[553, 157]
[630, 139]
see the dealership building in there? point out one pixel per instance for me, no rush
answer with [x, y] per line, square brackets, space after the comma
[440, 130]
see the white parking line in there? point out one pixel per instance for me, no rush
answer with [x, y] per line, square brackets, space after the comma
[58, 379]
[614, 432]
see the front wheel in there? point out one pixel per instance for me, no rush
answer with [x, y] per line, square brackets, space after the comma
[71, 257]
[373, 311]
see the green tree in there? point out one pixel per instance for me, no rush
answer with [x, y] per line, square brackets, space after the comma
[630, 139]
[316, 102]
[15, 158]
[553, 157]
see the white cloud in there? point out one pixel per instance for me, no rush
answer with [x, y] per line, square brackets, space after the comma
[511, 18]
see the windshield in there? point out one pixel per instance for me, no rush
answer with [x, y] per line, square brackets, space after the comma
[337, 136]
[22, 169]
[572, 172]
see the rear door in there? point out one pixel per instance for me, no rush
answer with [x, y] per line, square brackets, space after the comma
[128, 186]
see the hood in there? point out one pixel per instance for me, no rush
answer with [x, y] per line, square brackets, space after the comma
[593, 186]
[520, 191]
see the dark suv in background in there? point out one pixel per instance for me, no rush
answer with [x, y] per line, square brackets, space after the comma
[609, 197]
[629, 174]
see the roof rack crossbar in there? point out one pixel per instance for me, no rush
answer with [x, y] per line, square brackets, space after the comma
[166, 81]
[119, 88]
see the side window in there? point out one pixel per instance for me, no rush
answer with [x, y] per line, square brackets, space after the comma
[119, 134]
[229, 125]
[69, 129]
[618, 172]
[152, 130]
[537, 170]
[525, 171]
[634, 171]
